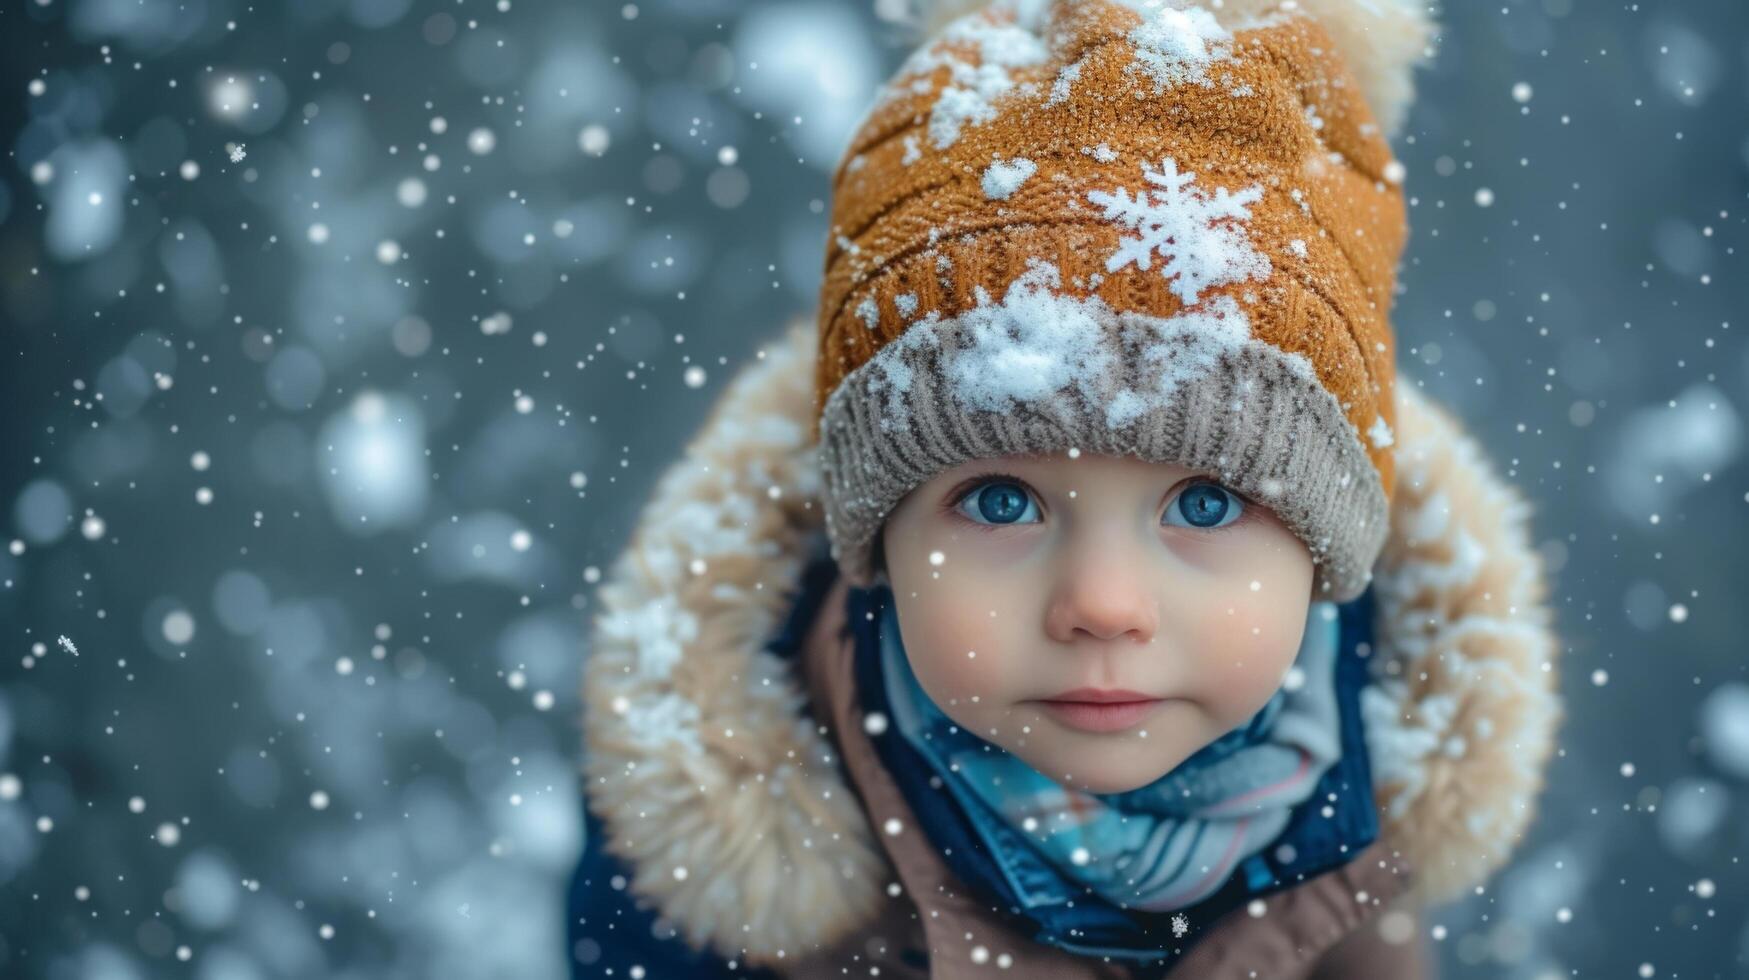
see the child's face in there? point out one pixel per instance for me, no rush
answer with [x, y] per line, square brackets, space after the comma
[1023, 577]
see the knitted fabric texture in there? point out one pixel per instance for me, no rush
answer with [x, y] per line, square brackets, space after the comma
[1133, 227]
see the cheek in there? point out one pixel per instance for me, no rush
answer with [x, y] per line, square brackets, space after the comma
[1244, 617]
[956, 648]
[1245, 644]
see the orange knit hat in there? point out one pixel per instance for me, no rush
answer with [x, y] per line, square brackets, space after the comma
[1137, 227]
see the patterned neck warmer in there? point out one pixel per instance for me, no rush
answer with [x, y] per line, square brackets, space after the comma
[1163, 846]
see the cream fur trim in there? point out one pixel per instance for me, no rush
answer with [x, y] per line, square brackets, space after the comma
[1461, 723]
[700, 757]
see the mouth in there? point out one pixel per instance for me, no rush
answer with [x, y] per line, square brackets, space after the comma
[1115, 711]
[1096, 695]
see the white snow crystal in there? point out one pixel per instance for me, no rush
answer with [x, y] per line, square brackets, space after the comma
[1036, 343]
[1031, 345]
[1298, 247]
[1201, 237]
[1177, 46]
[1178, 349]
[1397, 745]
[1103, 152]
[906, 304]
[912, 153]
[889, 373]
[658, 629]
[1380, 434]
[1065, 77]
[664, 719]
[968, 101]
[870, 314]
[969, 97]
[1002, 179]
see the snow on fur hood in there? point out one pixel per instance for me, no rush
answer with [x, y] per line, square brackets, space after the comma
[723, 796]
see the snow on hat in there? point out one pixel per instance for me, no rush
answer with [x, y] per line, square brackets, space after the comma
[1135, 227]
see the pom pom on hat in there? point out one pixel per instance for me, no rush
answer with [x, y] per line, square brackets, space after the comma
[1381, 40]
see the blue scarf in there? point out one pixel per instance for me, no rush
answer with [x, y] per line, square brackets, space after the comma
[1163, 846]
[1097, 913]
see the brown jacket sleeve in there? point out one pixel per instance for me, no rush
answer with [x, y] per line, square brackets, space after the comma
[1364, 954]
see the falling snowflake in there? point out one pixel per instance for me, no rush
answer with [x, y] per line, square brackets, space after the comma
[67, 645]
[1180, 925]
[1201, 237]
[235, 151]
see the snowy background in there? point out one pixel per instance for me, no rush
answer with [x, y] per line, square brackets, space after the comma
[343, 338]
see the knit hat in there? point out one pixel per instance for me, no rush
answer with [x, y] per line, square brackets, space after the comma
[1134, 227]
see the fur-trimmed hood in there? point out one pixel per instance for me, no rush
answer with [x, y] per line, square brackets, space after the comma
[722, 794]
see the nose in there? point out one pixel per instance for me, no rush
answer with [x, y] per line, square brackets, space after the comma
[1101, 592]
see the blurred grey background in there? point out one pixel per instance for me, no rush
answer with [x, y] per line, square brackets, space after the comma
[344, 338]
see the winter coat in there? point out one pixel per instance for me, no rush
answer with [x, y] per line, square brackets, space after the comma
[737, 813]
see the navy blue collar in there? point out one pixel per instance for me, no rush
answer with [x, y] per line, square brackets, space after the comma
[1060, 913]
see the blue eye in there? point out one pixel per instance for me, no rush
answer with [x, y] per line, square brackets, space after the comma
[998, 502]
[1207, 506]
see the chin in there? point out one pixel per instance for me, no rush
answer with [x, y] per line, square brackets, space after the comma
[1114, 776]
[1103, 787]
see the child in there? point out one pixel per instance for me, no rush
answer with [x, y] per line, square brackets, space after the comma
[1098, 605]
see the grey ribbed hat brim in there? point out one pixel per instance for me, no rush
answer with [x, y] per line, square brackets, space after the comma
[1240, 409]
